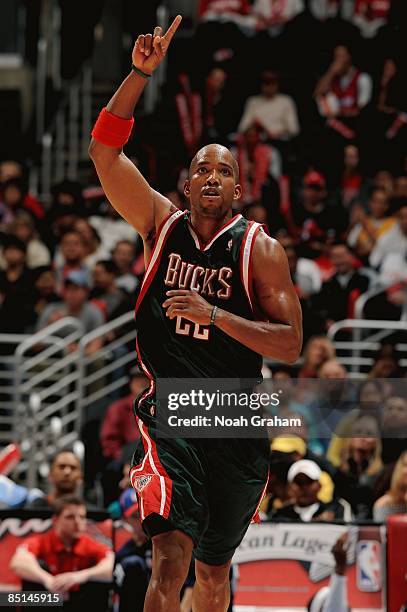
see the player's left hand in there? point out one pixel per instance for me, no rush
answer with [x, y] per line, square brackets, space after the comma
[188, 304]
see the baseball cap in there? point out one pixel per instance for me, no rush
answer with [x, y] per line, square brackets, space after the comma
[292, 444]
[79, 278]
[304, 466]
[314, 178]
[128, 502]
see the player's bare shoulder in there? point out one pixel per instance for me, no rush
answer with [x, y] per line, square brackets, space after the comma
[268, 254]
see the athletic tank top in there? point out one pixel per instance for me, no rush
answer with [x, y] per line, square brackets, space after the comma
[221, 272]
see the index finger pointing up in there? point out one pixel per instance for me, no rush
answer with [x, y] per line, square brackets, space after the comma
[172, 29]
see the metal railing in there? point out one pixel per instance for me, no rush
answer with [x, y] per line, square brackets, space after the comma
[64, 142]
[51, 379]
[365, 338]
[8, 368]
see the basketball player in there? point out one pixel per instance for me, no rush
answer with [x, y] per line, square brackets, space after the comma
[216, 297]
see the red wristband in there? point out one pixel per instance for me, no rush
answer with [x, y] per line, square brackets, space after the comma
[111, 130]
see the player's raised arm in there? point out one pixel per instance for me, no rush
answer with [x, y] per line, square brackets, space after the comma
[125, 187]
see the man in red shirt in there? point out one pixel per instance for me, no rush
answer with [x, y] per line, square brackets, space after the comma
[65, 559]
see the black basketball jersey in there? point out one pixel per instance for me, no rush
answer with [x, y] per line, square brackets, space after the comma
[221, 272]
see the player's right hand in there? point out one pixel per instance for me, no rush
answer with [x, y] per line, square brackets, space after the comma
[150, 49]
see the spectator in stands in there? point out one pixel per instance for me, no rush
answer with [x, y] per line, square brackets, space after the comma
[294, 404]
[117, 435]
[105, 294]
[367, 228]
[400, 190]
[342, 96]
[334, 597]
[132, 571]
[70, 257]
[16, 289]
[353, 184]
[132, 567]
[14, 200]
[334, 399]
[304, 272]
[256, 212]
[391, 108]
[386, 364]
[111, 228]
[225, 11]
[118, 427]
[75, 303]
[64, 478]
[278, 493]
[332, 369]
[290, 448]
[23, 228]
[394, 427]
[257, 161]
[205, 114]
[342, 93]
[67, 194]
[273, 16]
[13, 495]
[272, 112]
[384, 179]
[123, 256]
[317, 224]
[371, 396]
[306, 276]
[9, 170]
[370, 16]
[317, 351]
[95, 250]
[326, 9]
[338, 295]
[220, 35]
[191, 111]
[56, 225]
[303, 476]
[395, 500]
[394, 242]
[67, 206]
[360, 465]
[219, 116]
[45, 289]
[66, 560]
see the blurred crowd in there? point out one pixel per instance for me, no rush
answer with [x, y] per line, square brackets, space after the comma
[310, 97]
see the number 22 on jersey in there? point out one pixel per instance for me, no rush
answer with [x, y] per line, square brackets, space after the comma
[184, 327]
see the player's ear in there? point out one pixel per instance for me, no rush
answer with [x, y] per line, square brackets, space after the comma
[238, 192]
[187, 188]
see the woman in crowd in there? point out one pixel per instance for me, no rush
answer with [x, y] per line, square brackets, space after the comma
[360, 465]
[395, 500]
[371, 395]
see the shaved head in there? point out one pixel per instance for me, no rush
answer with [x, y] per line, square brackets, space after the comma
[220, 149]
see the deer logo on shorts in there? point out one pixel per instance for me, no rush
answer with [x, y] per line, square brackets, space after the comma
[141, 482]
